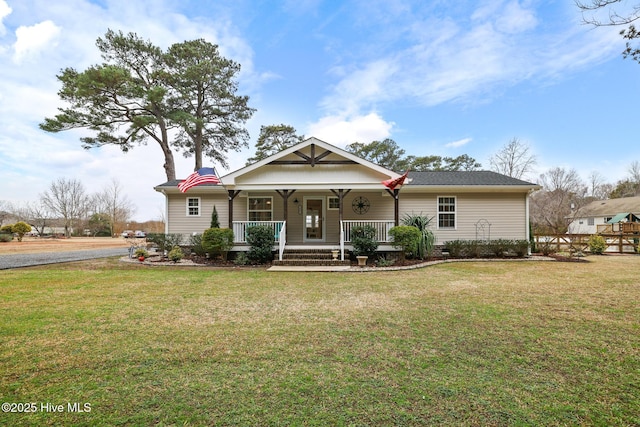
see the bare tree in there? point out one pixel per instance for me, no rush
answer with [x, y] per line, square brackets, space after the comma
[634, 171]
[599, 189]
[115, 205]
[615, 13]
[68, 200]
[613, 10]
[37, 215]
[5, 211]
[562, 195]
[514, 159]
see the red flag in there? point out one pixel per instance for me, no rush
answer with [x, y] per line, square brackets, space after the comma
[199, 177]
[391, 184]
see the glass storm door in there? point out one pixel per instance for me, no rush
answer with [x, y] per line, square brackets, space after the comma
[314, 219]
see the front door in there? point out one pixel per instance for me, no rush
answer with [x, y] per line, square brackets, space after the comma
[314, 219]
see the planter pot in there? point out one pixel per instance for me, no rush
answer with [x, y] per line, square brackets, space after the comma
[362, 260]
[141, 258]
[334, 254]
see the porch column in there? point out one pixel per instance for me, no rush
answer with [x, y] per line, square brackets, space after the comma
[396, 205]
[340, 194]
[232, 195]
[285, 200]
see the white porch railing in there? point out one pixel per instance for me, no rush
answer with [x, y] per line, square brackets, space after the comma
[382, 228]
[282, 241]
[240, 229]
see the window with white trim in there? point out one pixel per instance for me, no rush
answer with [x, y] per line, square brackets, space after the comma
[447, 212]
[591, 221]
[333, 203]
[260, 209]
[193, 206]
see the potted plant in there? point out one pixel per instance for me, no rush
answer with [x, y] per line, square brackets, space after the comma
[363, 240]
[141, 254]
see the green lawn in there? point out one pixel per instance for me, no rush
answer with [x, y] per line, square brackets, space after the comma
[481, 343]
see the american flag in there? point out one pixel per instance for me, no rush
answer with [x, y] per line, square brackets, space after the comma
[393, 183]
[199, 177]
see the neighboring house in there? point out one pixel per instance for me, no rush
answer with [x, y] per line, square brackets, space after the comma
[605, 216]
[313, 193]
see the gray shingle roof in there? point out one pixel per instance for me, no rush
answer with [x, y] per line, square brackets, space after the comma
[456, 178]
[611, 207]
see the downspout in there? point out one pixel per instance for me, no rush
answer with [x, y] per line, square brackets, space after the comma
[526, 216]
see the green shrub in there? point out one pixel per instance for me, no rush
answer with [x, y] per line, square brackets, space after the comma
[363, 240]
[241, 259]
[261, 240]
[498, 247]
[21, 228]
[521, 247]
[457, 248]
[427, 239]
[215, 223]
[406, 238]
[195, 245]
[597, 244]
[175, 254]
[6, 237]
[8, 228]
[141, 252]
[217, 242]
[164, 241]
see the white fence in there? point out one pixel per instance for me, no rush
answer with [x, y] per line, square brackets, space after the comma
[382, 228]
[240, 229]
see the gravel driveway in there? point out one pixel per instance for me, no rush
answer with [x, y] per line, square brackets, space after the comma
[28, 260]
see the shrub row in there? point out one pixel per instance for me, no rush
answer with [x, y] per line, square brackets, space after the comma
[494, 248]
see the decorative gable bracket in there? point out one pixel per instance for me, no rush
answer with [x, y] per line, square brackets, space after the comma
[312, 159]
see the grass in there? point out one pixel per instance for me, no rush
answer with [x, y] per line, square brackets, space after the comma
[480, 343]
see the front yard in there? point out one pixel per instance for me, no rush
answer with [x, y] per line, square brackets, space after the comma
[474, 343]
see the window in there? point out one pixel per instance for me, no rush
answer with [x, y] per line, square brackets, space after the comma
[260, 209]
[193, 206]
[590, 221]
[334, 203]
[446, 212]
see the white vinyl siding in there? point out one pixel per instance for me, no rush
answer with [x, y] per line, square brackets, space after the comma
[504, 211]
[181, 223]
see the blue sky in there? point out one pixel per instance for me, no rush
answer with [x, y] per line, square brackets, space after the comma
[437, 78]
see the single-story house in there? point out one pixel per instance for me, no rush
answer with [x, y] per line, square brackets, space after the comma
[313, 193]
[605, 215]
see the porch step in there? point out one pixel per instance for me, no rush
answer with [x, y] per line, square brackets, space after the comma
[311, 258]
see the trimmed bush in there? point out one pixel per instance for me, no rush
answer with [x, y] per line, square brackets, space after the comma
[175, 254]
[498, 248]
[217, 242]
[597, 244]
[21, 228]
[261, 240]
[406, 238]
[6, 237]
[363, 240]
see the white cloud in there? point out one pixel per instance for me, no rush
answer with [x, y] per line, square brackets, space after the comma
[5, 11]
[342, 130]
[435, 60]
[33, 39]
[458, 143]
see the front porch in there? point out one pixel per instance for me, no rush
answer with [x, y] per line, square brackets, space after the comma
[314, 239]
